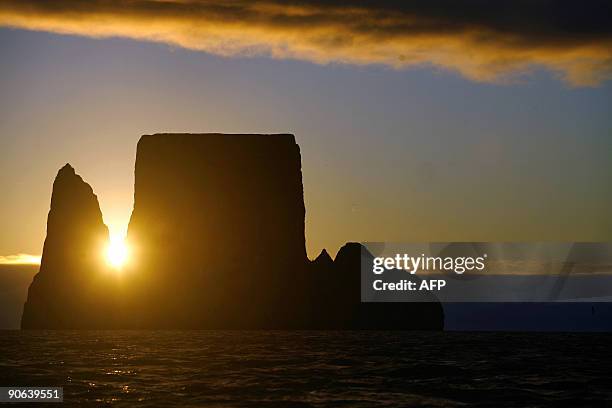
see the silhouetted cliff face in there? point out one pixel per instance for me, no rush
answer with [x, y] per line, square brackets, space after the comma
[72, 258]
[243, 190]
[218, 218]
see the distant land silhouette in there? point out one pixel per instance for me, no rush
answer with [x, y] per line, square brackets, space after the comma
[217, 240]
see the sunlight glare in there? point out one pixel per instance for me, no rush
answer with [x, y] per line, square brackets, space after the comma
[117, 251]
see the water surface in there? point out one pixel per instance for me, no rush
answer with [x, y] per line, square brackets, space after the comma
[305, 368]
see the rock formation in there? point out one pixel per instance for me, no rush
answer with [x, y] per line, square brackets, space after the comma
[337, 297]
[217, 240]
[66, 292]
[218, 219]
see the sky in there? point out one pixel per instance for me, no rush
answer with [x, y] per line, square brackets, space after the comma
[415, 123]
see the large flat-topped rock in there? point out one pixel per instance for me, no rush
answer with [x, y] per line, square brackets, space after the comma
[222, 214]
[219, 195]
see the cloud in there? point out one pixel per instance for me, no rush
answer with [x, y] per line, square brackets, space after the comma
[20, 259]
[482, 40]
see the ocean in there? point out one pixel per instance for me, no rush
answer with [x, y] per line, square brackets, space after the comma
[311, 368]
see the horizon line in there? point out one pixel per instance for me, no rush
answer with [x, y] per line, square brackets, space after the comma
[20, 259]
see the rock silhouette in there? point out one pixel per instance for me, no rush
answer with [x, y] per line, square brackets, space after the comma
[217, 240]
[337, 297]
[68, 291]
[220, 220]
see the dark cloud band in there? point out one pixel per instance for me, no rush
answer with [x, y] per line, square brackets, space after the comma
[482, 40]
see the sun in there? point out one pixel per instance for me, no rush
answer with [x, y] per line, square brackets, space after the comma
[117, 252]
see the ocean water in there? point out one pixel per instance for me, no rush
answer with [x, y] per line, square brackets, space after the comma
[305, 368]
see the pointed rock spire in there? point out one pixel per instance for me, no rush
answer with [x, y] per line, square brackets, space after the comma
[323, 260]
[73, 250]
